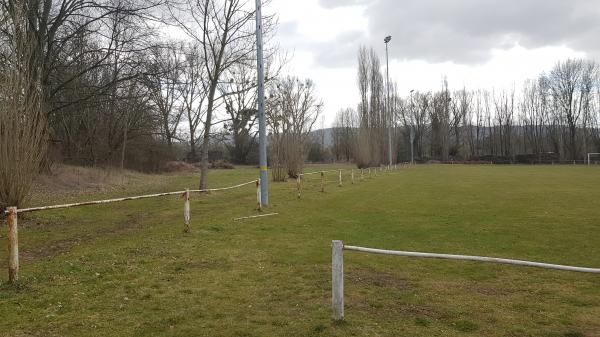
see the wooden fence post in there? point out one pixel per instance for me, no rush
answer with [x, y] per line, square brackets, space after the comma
[362, 174]
[322, 181]
[13, 245]
[352, 175]
[299, 186]
[340, 184]
[370, 175]
[258, 198]
[186, 211]
[337, 279]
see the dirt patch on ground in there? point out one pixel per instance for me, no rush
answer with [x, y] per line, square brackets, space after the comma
[57, 247]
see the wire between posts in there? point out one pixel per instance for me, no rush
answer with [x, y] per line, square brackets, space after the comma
[106, 201]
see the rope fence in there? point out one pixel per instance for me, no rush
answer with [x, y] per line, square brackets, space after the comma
[337, 267]
[12, 212]
[12, 217]
[369, 172]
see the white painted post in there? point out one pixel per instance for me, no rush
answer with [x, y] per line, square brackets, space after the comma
[258, 196]
[337, 279]
[299, 185]
[186, 211]
[322, 182]
[352, 175]
[362, 174]
[340, 179]
[588, 159]
[13, 245]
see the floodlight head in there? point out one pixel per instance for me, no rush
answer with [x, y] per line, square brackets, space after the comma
[387, 39]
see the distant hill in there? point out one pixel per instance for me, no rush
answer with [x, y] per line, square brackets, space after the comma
[323, 134]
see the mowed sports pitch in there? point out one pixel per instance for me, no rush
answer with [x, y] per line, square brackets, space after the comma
[128, 269]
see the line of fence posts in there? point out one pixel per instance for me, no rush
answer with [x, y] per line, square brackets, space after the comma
[13, 231]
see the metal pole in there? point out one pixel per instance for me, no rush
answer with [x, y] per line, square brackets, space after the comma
[262, 129]
[387, 72]
[412, 143]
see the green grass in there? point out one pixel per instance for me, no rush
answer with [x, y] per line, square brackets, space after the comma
[128, 269]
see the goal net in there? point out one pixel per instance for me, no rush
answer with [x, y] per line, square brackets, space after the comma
[593, 158]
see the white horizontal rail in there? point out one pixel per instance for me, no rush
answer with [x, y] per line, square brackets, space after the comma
[474, 258]
[97, 202]
[255, 216]
[225, 188]
[337, 267]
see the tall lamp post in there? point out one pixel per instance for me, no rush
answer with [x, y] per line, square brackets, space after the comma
[412, 132]
[387, 75]
[262, 128]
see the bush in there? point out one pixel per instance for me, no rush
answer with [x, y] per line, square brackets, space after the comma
[221, 164]
[178, 166]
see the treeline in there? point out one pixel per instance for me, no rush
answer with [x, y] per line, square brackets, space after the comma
[555, 117]
[105, 83]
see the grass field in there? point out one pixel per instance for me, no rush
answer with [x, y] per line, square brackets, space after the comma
[128, 269]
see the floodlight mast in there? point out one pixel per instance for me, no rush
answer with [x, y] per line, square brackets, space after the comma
[262, 129]
[387, 72]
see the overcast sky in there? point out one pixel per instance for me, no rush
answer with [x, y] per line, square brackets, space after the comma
[474, 43]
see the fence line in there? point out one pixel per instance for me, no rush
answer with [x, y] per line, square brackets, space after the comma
[12, 217]
[323, 182]
[337, 267]
[106, 201]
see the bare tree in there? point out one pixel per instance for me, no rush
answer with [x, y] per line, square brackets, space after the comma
[164, 81]
[23, 128]
[292, 112]
[193, 91]
[224, 30]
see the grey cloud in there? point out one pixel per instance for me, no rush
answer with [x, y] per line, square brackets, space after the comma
[465, 31]
[341, 3]
[341, 52]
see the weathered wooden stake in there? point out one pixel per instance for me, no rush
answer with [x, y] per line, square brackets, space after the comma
[299, 186]
[186, 211]
[13, 245]
[322, 181]
[370, 175]
[337, 279]
[258, 196]
[352, 176]
[362, 174]
[340, 183]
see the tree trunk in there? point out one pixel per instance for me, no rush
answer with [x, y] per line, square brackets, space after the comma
[206, 137]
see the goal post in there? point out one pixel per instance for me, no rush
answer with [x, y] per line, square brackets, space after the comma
[589, 157]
